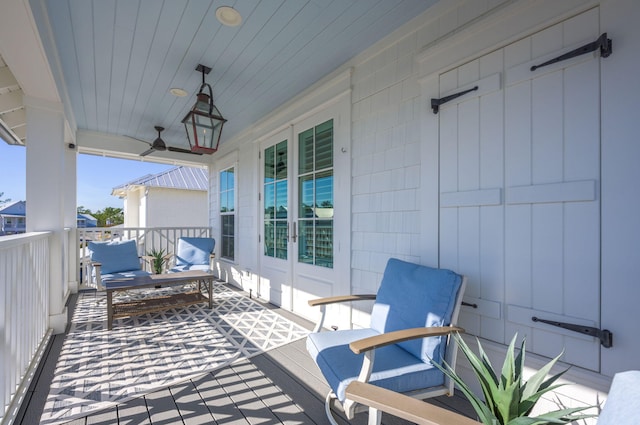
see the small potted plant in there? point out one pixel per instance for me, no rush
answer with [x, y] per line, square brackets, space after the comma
[157, 259]
[508, 398]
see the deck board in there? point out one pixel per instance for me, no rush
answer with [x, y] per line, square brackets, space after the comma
[281, 386]
[134, 412]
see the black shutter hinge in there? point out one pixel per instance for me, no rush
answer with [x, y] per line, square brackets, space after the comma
[605, 336]
[435, 103]
[603, 43]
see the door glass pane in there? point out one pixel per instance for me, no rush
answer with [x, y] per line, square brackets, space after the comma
[281, 161]
[269, 201]
[269, 242]
[324, 145]
[324, 195]
[269, 164]
[276, 198]
[305, 241]
[281, 240]
[305, 140]
[281, 200]
[324, 243]
[305, 187]
[315, 194]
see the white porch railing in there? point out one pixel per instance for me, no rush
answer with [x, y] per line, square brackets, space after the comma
[24, 322]
[147, 238]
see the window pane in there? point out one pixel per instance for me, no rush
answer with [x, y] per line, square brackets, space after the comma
[324, 145]
[223, 181]
[305, 145]
[231, 184]
[230, 201]
[228, 231]
[306, 206]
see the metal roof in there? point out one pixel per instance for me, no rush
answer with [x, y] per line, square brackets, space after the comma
[188, 178]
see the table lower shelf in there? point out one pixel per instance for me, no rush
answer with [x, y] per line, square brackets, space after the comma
[156, 304]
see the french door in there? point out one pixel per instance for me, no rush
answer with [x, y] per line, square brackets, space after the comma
[297, 242]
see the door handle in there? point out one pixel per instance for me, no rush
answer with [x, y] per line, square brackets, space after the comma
[295, 231]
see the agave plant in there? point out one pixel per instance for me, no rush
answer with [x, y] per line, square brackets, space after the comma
[509, 399]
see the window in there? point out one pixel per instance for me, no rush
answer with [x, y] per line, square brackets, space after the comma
[315, 195]
[227, 213]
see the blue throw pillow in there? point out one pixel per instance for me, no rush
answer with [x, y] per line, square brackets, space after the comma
[194, 251]
[115, 256]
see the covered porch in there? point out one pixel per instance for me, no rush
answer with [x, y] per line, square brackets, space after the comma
[459, 134]
[282, 385]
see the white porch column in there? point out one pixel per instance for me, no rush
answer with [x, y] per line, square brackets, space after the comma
[71, 212]
[47, 162]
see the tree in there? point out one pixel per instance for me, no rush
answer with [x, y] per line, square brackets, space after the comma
[110, 216]
[3, 201]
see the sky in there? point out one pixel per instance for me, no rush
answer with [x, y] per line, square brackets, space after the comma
[97, 176]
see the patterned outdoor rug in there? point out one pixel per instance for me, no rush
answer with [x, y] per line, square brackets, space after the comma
[98, 368]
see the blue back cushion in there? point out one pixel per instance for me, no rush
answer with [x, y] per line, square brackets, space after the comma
[194, 251]
[412, 296]
[115, 256]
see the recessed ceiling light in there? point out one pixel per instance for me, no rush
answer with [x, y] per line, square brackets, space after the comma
[178, 92]
[228, 16]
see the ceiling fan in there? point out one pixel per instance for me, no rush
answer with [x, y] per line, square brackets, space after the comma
[159, 145]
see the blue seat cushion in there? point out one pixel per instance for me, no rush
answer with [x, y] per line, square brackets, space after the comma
[115, 256]
[394, 368]
[185, 267]
[106, 278]
[413, 296]
[194, 251]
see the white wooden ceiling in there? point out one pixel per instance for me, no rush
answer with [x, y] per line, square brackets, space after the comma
[117, 59]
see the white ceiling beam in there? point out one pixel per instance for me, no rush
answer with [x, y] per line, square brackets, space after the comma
[15, 118]
[7, 80]
[11, 101]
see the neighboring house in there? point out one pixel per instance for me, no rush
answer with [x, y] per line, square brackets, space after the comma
[13, 218]
[87, 220]
[174, 198]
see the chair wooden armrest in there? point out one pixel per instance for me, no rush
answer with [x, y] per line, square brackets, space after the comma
[341, 299]
[402, 406]
[388, 338]
[323, 302]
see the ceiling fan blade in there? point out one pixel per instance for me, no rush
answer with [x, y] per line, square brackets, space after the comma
[172, 149]
[147, 152]
[139, 140]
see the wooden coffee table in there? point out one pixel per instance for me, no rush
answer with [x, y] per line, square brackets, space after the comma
[151, 303]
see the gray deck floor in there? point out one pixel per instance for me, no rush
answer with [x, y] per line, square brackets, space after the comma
[282, 386]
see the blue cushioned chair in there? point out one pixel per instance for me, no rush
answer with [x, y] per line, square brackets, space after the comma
[194, 254]
[114, 260]
[414, 313]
